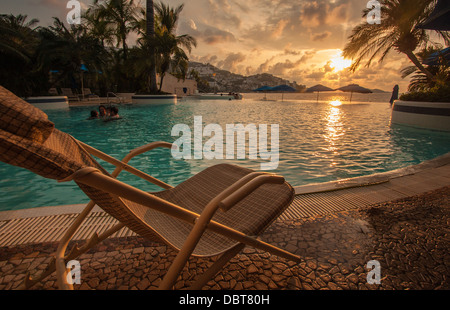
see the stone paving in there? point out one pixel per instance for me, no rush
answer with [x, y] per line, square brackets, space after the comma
[409, 238]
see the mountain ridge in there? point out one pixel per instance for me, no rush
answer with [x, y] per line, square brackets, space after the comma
[213, 79]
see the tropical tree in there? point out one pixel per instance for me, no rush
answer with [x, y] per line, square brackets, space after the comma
[118, 16]
[65, 49]
[149, 37]
[18, 36]
[99, 27]
[397, 31]
[18, 42]
[159, 48]
[169, 45]
[439, 67]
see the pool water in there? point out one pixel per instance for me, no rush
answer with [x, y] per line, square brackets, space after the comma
[319, 142]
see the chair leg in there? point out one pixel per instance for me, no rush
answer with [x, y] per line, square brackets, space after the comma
[74, 253]
[60, 263]
[216, 267]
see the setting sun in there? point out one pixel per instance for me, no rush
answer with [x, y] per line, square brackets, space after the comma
[339, 63]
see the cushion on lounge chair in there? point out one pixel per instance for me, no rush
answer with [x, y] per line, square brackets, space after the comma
[22, 119]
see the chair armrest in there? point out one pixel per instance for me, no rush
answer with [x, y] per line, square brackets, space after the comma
[146, 148]
[123, 165]
[139, 151]
[236, 192]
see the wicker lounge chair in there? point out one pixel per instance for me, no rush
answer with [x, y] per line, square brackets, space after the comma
[69, 94]
[186, 217]
[89, 95]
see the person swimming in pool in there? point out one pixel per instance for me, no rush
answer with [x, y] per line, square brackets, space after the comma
[113, 114]
[94, 115]
[103, 111]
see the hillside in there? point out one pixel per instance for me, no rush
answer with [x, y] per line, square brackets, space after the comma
[213, 79]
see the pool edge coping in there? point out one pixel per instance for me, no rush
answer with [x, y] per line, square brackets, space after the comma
[369, 180]
[373, 179]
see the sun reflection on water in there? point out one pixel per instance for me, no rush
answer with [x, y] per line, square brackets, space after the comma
[334, 129]
[336, 103]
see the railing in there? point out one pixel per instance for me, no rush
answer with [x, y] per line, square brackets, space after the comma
[113, 95]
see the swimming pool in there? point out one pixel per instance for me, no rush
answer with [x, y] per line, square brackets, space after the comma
[319, 142]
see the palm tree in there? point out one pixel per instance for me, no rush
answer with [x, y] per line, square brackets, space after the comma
[119, 15]
[440, 70]
[159, 48]
[66, 49]
[18, 36]
[18, 42]
[169, 45]
[397, 31]
[99, 27]
[150, 35]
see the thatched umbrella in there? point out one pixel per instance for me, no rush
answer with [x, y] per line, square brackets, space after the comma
[283, 89]
[354, 88]
[318, 88]
[263, 89]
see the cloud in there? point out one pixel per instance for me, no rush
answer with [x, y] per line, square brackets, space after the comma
[320, 36]
[325, 72]
[207, 59]
[208, 34]
[192, 25]
[231, 61]
[314, 14]
[224, 12]
[278, 29]
[279, 65]
[55, 5]
[214, 35]
[304, 23]
[288, 51]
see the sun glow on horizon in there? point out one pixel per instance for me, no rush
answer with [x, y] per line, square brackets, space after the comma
[336, 103]
[339, 63]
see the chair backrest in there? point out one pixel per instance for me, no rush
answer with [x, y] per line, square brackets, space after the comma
[67, 91]
[29, 140]
[53, 91]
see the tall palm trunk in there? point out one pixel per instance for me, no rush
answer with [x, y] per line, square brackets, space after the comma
[419, 65]
[161, 82]
[124, 45]
[151, 34]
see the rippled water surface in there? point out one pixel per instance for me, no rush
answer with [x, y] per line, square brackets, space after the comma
[319, 142]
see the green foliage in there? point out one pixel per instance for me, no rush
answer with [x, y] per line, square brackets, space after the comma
[166, 47]
[440, 70]
[440, 93]
[18, 42]
[397, 31]
[34, 59]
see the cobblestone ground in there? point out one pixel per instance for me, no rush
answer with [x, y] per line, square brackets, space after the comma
[409, 238]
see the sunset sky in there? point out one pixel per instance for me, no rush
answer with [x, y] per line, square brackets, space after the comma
[299, 40]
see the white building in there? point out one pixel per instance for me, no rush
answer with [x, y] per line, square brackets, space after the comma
[179, 87]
